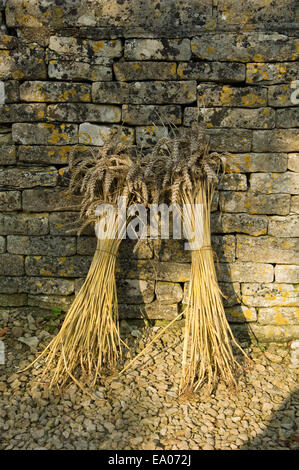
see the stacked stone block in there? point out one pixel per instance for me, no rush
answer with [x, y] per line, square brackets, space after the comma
[73, 71]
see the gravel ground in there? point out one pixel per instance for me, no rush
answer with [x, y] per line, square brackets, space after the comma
[140, 409]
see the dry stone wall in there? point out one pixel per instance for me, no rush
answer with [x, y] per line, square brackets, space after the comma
[72, 70]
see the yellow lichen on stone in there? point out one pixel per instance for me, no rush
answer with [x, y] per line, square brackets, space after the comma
[226, 95]
[250, 99]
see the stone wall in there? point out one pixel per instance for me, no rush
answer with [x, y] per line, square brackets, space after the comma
[72, 68]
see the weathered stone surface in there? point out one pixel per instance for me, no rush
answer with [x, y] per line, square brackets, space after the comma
[13, 300]
[279, 316]
[287, 273]
[51, 286]
[275, 182]
[276, 140]
[154, 311]
[72, 70]
[293, 162]
[112, 16]
[11, 88]
[295, 204]
[260, 118]
[241, 314]
[136, 71]
[46, 245]
[74, 46]
[25, 63]
[92, 134]
[78, 112]
[64, 223]
[225, 247]
[168, 292]
[230, 140]
[224, 72]
[55, 92]
[7, 42]
[73, 266]
[87, 245]
[245, 272]
[135, 291]
[12, 285]
[151, 92]
[48, 154]
[8, 154]
[242, 223]
[210, 95]
[267, 249]
[287, 118]
[274, 333]
[270, 295]
[240, 12]
[11, 265]
[256, 162]
[10, 200]
[143, 115]
[28, 177]
[247, 47]
[231, 292]
[280, 95]
[45, 200]
[166, 49]
[252, 203]
[50, 301]
[284, 226]
[2, 244]
[22, 112]
[233, 182]
[148, 136]
[24, 224]
[268, 74]
[45, 133]
[151, 269]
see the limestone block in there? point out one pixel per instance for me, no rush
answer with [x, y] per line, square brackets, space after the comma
[10, 200]
[267, 249]
[147, 70]
[223, 72]
[271, 73]
[284, 226]
[166, 49]
[246, 47]
[256, 162]
[168, 292]
[275, 182]
[210, 95]
[286, 273]
[11, 265]
[49, 266]
[45, 134]
[149, 114]
[77, 112]
[151, 92]
[8, 154]
[45, 245]
[259, 118]
[73, 70]
[28, 177]
[55, 92]
[271, 204]
[23, 224]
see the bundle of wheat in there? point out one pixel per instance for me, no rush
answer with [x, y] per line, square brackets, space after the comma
[181, 170]
[89, 337]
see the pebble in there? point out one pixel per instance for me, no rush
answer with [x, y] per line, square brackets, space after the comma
[140, 409]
